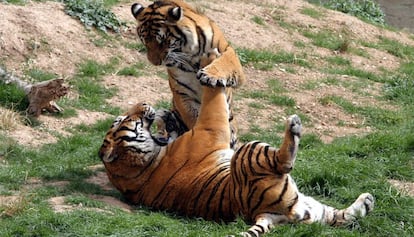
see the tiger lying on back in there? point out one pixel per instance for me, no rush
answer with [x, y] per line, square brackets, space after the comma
[199, 175]
[176, 36]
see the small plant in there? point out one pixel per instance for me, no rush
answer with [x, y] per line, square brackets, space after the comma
[92, 13]
[258, 20]
[40, 75]
[328, 39]
[312, 13]
[15, 207]
[265, 59]
[365, 9]
[9, 119]
[13, 97]
[137, 46]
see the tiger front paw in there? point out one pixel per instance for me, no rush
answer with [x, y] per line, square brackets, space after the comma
[207, 79]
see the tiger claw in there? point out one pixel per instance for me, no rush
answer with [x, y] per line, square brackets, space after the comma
[213, 82]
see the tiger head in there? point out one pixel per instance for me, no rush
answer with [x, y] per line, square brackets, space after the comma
[168, 35]
[129, 143]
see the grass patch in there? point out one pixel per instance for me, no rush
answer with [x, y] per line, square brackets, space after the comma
[265, 59]
[39, 75]
[312, 12]
[13, 97]
[374, 116]
[136, 46]
[279, 100]
[258, 20]
[134, 70]
[355, 72]
[338, 60]
[327, 39]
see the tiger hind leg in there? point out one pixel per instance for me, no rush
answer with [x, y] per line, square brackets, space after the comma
[308, 210]
[286, 154]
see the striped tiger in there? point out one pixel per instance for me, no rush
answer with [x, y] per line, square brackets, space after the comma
[177, 36]
[199, 175]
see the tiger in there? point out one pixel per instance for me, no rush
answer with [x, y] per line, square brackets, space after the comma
[176, 35]
[200, 175]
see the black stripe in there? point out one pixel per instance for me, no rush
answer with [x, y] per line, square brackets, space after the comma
[167, 182]
[252, 192]
[252, 233]
[201, 192]
[251, 151]
[202, 39]
[261, 198]
[184, 85]
[285, 187]
[213, 194]
[261, 228]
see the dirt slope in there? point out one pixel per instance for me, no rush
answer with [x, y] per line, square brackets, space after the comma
[29, 40]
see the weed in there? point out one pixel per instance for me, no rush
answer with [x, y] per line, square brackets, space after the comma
[374, 116]
[265, 59]
[16, 206]
[327, 39]
[93, 14]
[9, 119]
[13, 97]
[134, 70]
[312, 12]
[137, 46]
[258, 20]
[338, 60]
[368, 10]
[351, 71]
[40, 75]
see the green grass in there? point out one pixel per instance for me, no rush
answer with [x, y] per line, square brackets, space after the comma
[374, 116]
[266, 60]
[135, 70]
[327, 39]
[312, 12]
[13, 97]
[392, 47]
[258, 20]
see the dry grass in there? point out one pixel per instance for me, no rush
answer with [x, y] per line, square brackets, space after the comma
[9, 119]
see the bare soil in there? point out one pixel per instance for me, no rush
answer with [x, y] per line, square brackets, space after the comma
[40, 35]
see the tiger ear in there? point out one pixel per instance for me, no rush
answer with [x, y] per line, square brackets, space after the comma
[136, 9]
[174, 14]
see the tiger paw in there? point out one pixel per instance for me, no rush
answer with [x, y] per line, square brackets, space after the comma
[206, 79]
[363, 205]
[294, 125]
[143, 110]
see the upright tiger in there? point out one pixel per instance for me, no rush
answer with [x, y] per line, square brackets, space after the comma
[177, 36]
[198, 175]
